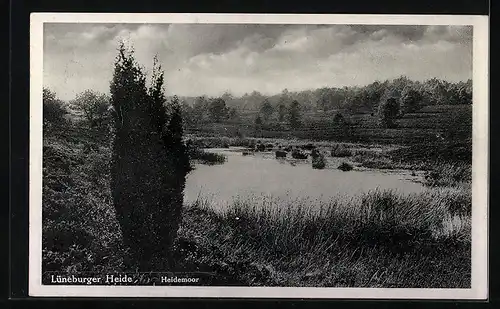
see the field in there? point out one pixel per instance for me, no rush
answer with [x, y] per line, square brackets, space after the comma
[426, 125]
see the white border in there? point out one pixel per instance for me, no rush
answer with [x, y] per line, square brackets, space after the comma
[480, 178]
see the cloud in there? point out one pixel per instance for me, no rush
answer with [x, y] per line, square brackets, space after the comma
[211, 58]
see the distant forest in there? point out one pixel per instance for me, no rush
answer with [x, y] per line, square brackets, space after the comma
[355, 99]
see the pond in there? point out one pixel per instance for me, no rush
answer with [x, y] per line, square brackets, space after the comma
[261, 174]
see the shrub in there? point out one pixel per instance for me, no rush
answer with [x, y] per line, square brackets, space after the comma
[54, 110]
[319, 162]
[261, 147]
[95, 107]
[411, 100]
[345, 167]
[281, 154]
[308, 146]
[222, 142]
[297, 154]
[315, 153]
[388, 110]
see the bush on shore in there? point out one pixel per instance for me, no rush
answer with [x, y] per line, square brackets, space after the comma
[375, 161]
[319, 162]
[298, 154]
[345, 167]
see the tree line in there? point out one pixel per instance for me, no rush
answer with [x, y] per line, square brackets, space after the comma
[362, 98]
[388, 99]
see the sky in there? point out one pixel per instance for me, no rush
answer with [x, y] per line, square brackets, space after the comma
[209, 59]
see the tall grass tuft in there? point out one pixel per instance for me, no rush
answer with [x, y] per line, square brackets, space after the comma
[205, 157]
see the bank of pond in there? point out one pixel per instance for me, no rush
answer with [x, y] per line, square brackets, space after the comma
[321, 170]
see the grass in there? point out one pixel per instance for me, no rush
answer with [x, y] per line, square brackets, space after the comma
[381, 239]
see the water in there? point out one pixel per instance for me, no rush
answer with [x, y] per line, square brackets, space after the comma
[262, 174]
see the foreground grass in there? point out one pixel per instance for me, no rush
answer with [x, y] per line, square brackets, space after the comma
[382, 239]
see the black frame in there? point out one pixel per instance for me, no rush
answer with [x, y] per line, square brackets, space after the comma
[19, 117]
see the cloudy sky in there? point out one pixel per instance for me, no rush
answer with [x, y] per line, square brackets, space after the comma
[210, 59]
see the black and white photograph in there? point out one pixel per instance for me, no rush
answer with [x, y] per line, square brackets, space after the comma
[212, 155]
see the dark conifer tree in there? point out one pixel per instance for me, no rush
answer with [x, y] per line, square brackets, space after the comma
[146, 183]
